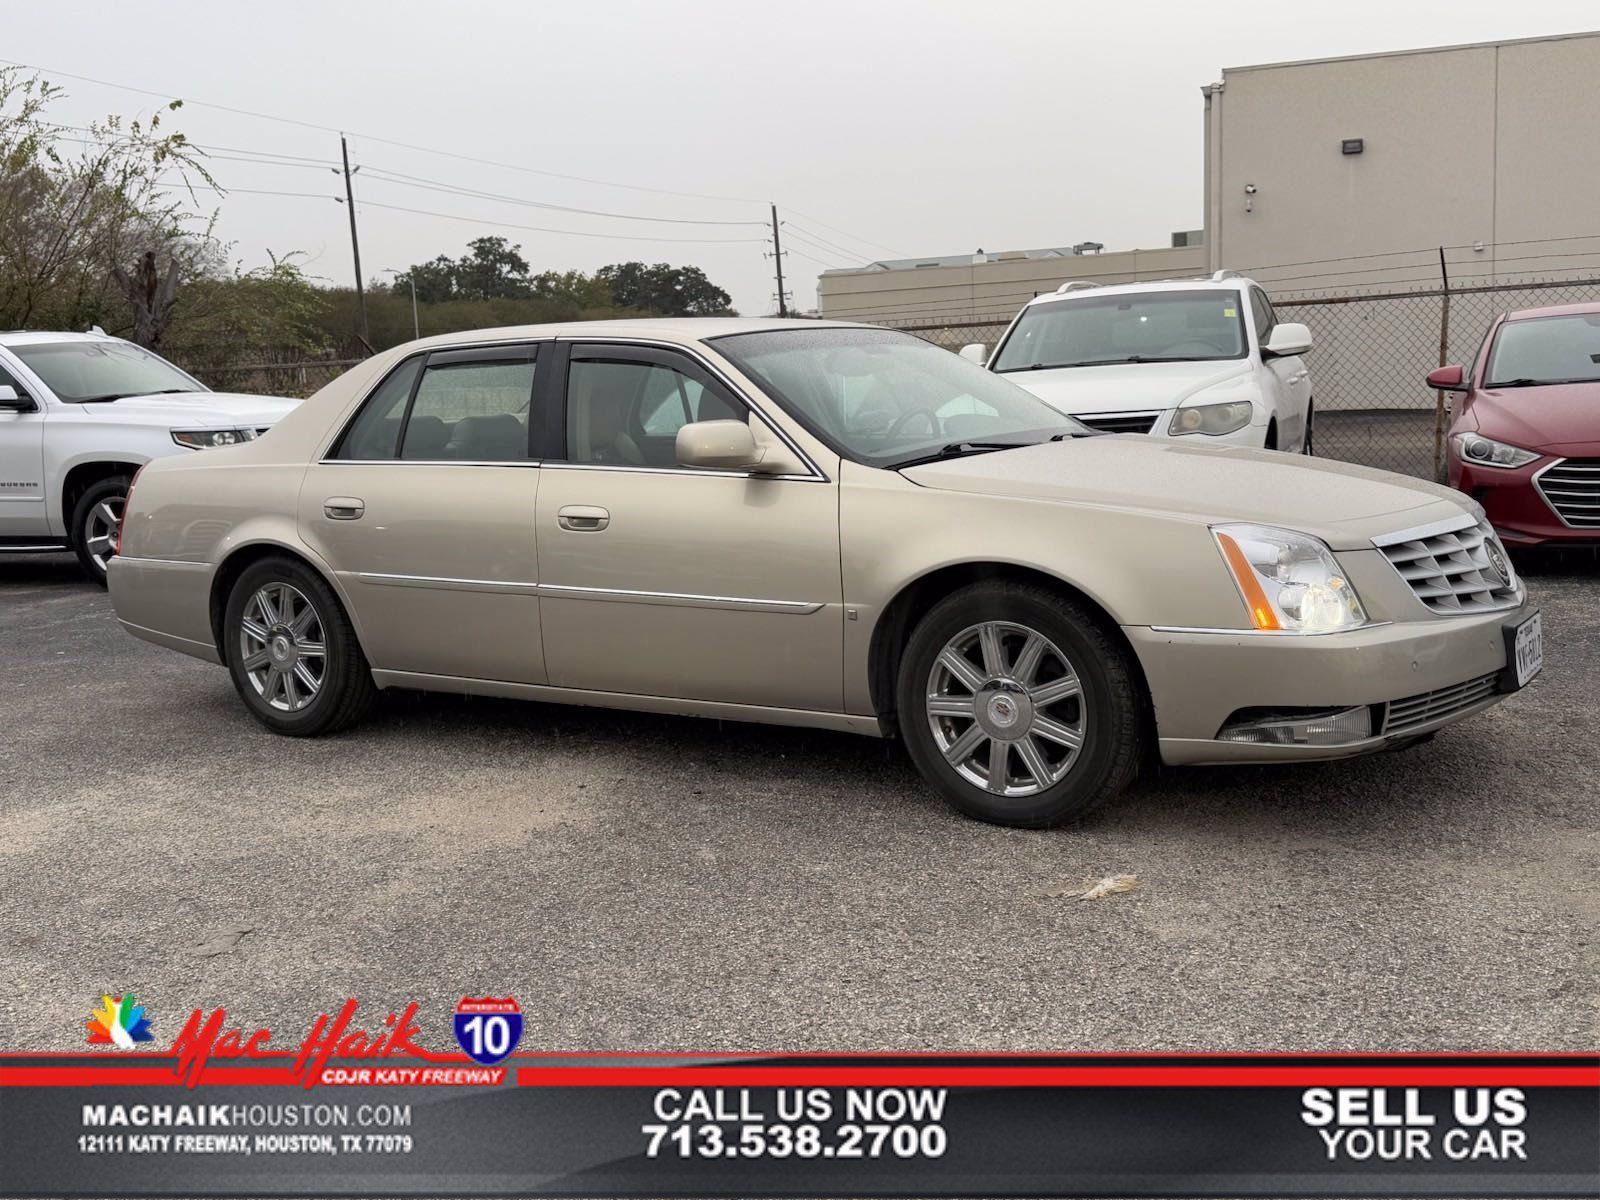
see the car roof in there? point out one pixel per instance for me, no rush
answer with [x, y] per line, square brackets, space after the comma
[685, 330]
[1554, 310]
[34, 337]
[1232, 283]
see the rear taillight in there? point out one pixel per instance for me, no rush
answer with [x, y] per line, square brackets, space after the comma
[127, 502]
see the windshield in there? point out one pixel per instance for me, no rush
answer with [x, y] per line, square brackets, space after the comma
[79, 371]
[1546, 350]
[886, 399]
[1186, 326]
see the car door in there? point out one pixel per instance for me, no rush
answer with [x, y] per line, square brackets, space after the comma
[657, 580]
[424, 507]
[23, 504]
[1288, 378]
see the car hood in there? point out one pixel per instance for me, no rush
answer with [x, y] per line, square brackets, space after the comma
[1341, 503]
[1125, 387]
[199, 409]
[1563, 418]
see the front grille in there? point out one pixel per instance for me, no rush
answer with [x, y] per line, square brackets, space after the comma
[1416, 711]
[1452, 572]
[1132, 422]
[1572, 488]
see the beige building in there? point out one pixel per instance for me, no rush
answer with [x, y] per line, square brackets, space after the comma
[1336, 175]
[1353, 172]
[983, 289]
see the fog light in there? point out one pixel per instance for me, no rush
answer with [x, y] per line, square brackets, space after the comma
[1308, 729]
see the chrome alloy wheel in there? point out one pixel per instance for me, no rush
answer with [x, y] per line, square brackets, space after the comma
[1006, 708]
[100, 530]
[282, 647]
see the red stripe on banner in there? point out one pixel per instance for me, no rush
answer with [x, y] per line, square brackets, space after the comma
[1297, 1077]
[726, 1076]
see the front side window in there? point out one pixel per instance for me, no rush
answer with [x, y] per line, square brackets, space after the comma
[885, 399]
[455, 406]
[1541, 350]
[627, 412]
[84, 372]
[1192, 325]
[1265, 317]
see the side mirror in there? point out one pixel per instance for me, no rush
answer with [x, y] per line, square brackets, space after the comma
[975, 352]
[1291, 337]
[718, 446]
[1447, 379]
[11, 401]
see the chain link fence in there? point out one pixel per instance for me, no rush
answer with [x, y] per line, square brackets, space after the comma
[263, 370]
[1372, 353]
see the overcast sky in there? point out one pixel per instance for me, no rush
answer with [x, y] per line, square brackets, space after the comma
[881, 128]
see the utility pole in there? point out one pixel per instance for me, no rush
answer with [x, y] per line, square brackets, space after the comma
[777, 257]
[355, 244]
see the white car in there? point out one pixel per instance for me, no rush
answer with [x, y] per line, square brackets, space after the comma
[1207, 359]
[80, 413]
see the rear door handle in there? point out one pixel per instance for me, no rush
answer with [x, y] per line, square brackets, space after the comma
[343, 508]
[582, 518]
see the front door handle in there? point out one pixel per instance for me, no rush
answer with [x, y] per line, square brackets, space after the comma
[582, 518]
[343, 508]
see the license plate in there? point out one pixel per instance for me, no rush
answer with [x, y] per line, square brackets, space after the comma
[1524, 652]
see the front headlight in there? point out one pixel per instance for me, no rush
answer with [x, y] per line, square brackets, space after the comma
[1213, 419]
[205, 439]
[1486, 452]
[1289, 581]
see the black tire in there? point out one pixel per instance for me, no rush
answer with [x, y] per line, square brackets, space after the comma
[1109, 707]
[346, 691]
[90, 518]
[1307, 444]
[1272, 435]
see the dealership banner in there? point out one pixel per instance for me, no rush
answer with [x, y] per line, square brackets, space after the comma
[381, 1109]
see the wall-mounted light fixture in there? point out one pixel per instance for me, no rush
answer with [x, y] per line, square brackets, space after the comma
[1352, 145]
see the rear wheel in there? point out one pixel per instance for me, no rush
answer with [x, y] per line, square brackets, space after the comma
[1018, 706]
[96, 517]
[292, 651]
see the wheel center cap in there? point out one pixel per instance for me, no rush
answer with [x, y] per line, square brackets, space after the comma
[281, 649]
[1003, 709]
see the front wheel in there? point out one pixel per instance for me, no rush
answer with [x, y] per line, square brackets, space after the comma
[1018, 706]
[1307, 446]
[96, 518]
[292, 651]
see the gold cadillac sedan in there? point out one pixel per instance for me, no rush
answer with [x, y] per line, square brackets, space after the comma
[819, 524]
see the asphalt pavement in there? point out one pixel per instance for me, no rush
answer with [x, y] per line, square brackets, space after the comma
[654, 883]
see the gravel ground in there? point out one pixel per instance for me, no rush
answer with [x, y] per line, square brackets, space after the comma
[671, 884]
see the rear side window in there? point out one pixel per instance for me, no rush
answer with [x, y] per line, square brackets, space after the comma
[452, 406]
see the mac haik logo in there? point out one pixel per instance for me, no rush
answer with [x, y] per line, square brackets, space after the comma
[119, 1022]
[488, 1029]
[205, 1039]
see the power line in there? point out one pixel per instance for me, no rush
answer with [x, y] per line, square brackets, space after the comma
[385, 175]
[617, 237]
[821, 242]
[261, 116]
[845, 234]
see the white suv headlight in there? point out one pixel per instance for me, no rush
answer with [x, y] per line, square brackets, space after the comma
[204, 439]
[1213, 419]
[1290, 582]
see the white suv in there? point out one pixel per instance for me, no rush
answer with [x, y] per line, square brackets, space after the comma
[80, 413]
[1206, 359]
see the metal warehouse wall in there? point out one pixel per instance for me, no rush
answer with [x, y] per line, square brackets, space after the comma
[985, 291]
[1492, 145]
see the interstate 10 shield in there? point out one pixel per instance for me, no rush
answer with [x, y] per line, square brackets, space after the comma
[488, 1029]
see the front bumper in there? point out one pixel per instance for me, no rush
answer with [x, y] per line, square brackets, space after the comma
[1199, 679]
[1513, 504]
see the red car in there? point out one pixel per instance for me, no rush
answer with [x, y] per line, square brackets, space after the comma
[1525, 439]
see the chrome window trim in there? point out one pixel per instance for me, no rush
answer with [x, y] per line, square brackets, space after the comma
[1419, 532]
[429, 462]
[693, 351]
[574, 592]
[1269, 633]
[680, 471]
